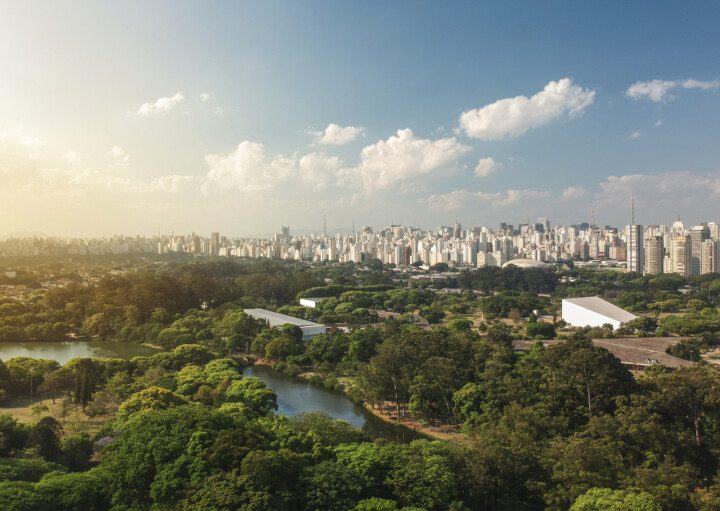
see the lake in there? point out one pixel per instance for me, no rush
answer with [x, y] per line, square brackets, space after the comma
[64, 351]
[296, 396]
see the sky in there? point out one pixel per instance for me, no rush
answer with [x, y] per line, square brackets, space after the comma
[239, 117]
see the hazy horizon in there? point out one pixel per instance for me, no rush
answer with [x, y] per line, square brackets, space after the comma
[240, 118]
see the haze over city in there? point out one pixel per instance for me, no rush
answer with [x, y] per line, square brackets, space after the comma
[241, 117]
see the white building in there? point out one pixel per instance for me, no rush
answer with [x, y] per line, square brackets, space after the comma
[311, 302]
[276, 319]
[593, 311]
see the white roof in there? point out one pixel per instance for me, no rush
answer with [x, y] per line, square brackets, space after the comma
[600, 306]
[277, 319]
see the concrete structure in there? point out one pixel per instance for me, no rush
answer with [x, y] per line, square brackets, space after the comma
[654, 255]
[635, 253]
[635, 353]
[275, 319]
[593, 311]
[311, 302]
[678, 257]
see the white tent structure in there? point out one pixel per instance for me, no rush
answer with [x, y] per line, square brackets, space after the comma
[593, 311]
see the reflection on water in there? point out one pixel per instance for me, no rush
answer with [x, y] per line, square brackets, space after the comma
[296, 396]
[64, 351]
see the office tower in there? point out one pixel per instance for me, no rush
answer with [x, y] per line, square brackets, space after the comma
[709, 257]
[679, 255]
[698, 234]
[654, 255]
[635, 249]
[215, 243]
[714, 229]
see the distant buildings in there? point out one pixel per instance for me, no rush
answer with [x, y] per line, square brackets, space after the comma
[649, 249]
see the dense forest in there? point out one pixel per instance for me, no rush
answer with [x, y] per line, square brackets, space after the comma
[557, 427]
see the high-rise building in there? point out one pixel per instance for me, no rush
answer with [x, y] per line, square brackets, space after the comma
[698, 234]
[709, 257]
[215, 243]
[679, 255]
[635, 249]
[654, 255]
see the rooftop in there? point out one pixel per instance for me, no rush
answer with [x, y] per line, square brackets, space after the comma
[600, 306]
[634, 351]
[277, 319]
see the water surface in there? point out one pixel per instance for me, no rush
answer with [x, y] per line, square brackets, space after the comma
[296, 396]
[64, 351]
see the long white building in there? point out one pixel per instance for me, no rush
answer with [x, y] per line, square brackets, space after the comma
[593, 311]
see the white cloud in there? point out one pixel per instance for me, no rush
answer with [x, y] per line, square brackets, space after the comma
[655, 90]
[204, 97]
[161, 105]
[319, 170]
[635, 134]
[120, 156]
[658, 123]
[659, 90]
[512, 117]
[458, 199]
[338, 135]
[690, 83]
[249, 169]
[485, 167]
[573, 192]
[72, 157]
[403, 157]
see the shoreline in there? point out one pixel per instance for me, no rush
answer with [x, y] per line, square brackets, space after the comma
[386, 413]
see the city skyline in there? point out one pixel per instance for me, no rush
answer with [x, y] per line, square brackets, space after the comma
[244, 117]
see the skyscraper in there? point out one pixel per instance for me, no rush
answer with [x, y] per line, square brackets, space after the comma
[709, 257]
[679, 255]
[698, 234]
[635, 249]
[654, 255]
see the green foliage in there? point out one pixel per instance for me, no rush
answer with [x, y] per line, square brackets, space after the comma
[540, 330]
[605, 499]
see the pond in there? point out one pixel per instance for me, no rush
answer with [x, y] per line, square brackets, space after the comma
[296, 396]
[64, 351]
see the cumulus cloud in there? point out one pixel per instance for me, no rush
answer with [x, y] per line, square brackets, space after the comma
[403, 157]
[338, 135]
[248, 168]
[485, 167]
[635, 134]
[458, 199]
[573, 192]
[658, 91]
[119, 156]
[511, 117]
[161, 105]
[204, 97]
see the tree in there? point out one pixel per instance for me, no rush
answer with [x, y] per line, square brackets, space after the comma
[579, 374]
[252, 392]
[692, 395]
[45, 437]
[281, 347]
[540, 330]
[13, 435]
[153, 398]
[76, 451]
[605, 499]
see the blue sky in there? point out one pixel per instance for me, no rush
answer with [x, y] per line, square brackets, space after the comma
[199, 116]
